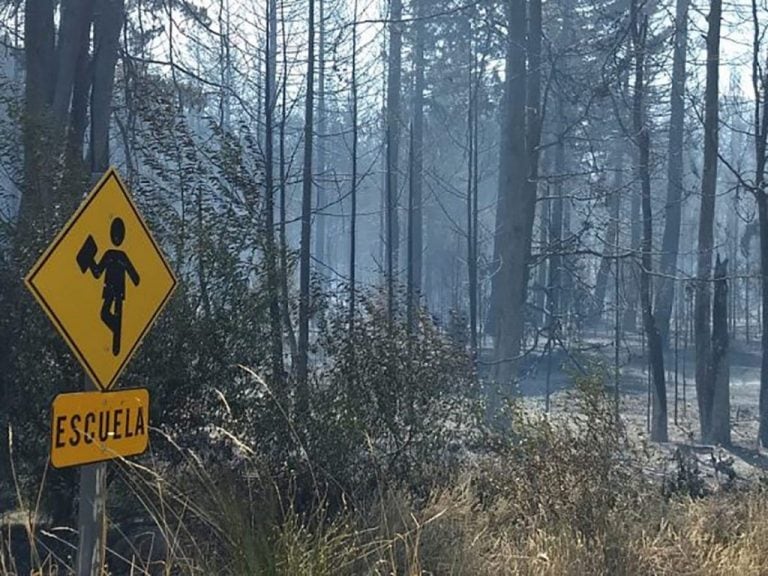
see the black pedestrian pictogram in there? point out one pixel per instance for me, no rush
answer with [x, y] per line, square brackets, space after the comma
[114, 265]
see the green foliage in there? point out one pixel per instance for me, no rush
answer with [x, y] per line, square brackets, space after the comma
[392, 402]
[384, 404]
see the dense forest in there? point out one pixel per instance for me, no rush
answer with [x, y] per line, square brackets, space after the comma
[464, 287]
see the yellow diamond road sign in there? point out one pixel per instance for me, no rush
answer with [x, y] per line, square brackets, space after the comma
[103, 280]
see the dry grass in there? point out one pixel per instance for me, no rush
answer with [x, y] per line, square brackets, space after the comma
[720, 535]
[551, 498]
[453, 535]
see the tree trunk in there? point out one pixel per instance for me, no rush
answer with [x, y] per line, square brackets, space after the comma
[533, 120]
[74, 20]
[474, 282]
[601, 280]
[393, 144]
[320, 253]
[285, 293]
[273, 287]
[671, 239]
[631, 270]
[541, 271]
[415, 218]
[762, 211]
[107, 23]
[721, 405]
[302, 372]
[554, 283]
[38, 87]
[225, 65]
[760, 130]
[353, 199]
[611, 244]
[513, 207]
[81, 88]
[655, 351]
[747, 284]
[704, 382]
[471, 258]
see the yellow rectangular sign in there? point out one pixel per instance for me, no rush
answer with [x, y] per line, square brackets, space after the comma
[94, 426]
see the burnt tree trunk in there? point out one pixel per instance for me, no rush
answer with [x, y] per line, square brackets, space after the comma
[762, 211]
[671, 240]
[415, 216]
[554, 280]
[720, 432]
[702, 312]
[632, 270]
[760, 130]
[270, 251]
[533, 121]
[321, 236]
[513, 208]
[39, 31]
[541, 272]
[302, 370]
[655, 351]
[107, 23]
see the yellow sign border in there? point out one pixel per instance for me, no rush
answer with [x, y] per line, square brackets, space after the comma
[108, 455]
[29, 278]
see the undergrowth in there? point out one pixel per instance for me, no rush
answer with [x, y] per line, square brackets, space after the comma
[550, 495]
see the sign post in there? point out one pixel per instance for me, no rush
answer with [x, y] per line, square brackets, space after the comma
[92, 526]
[102, 282]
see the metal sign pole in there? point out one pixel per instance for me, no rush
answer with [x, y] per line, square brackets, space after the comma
[92, 514]
[93, 500]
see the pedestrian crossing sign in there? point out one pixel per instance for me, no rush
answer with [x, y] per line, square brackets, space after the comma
[103, 280]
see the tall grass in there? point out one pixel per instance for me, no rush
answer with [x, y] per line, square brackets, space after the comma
[548, 496]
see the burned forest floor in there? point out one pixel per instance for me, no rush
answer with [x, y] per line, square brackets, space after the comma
[743, 462]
